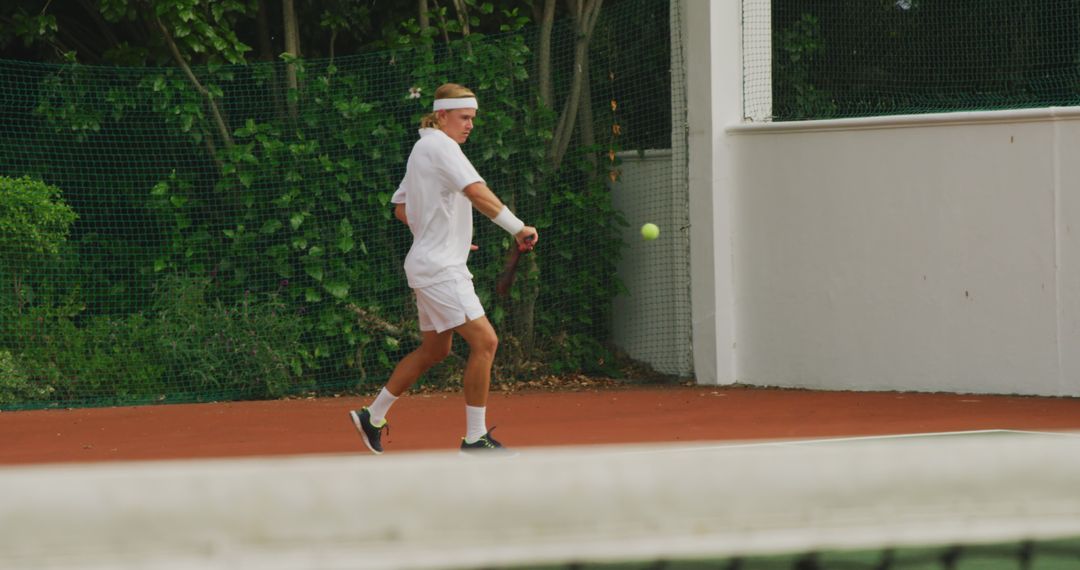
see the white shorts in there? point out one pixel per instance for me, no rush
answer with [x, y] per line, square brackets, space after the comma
[447, 305]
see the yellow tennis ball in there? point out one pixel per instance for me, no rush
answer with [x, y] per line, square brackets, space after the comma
[650, 231]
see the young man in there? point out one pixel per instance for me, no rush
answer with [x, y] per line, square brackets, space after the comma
[435, 200]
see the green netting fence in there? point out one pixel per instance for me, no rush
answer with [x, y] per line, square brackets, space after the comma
[855, 58]
[230, 237]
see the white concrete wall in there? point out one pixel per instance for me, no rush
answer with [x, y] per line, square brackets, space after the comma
[934, 253]
[929, 253]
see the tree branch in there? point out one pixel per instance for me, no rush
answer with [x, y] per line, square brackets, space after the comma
[378, 323]
[219, 120]
[442, 23]
[211, 148]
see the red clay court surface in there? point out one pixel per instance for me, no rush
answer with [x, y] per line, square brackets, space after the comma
[524, 419]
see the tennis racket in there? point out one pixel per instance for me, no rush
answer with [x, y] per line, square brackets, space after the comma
[506, 277]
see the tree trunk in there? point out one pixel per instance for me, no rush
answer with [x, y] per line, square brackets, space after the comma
[266, 53]
[262, 21]
[292, 47]
[462, 15]
[586, 12]
[524, 312]
[18, 293]
[425, 17]
[543, 54]
[588, 135]
[463, 19]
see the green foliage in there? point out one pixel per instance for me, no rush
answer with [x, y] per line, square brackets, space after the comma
[34, 224]
[297, 209]
[850, 58]
[251, 247]
[250, 349]
[111, 360]
[16, 387]
[300, 208]
[34, 221]
[205, 28]
[797, 48]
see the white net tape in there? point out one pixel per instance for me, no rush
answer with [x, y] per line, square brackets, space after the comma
[554, 505]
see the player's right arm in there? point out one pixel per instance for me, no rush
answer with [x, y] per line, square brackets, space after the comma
[399, 213]
[484, 200]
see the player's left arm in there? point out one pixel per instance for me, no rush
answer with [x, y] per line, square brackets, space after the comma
[398, 200]
[484, 200]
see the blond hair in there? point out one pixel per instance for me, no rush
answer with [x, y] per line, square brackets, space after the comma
[445, 91]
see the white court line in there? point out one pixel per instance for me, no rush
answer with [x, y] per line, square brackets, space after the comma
[1054, 433]
[814, 441]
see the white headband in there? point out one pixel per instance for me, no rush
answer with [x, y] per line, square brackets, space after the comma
[454, 103]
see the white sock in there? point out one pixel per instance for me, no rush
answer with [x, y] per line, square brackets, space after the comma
[475, 423]
[380, 406]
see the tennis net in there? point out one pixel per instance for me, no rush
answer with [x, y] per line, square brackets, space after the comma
[989, 500]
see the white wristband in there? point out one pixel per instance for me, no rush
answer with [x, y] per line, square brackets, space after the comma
[508, 221]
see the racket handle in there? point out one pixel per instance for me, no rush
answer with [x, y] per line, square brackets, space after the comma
[506, 277]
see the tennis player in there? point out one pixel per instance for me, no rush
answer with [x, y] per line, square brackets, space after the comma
[435, 200]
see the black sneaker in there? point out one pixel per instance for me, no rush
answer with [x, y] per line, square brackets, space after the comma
[486, 444]
[372, 435]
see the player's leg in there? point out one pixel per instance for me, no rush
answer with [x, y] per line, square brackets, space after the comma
[452, 306]
[370, 421]
[434, 348]
[483, 342]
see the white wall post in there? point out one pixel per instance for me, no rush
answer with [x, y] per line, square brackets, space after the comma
[712, 36]
[756, 74]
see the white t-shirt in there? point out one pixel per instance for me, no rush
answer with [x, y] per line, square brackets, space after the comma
[440, 215]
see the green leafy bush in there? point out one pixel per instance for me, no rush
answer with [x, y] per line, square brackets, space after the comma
[16, 386]
[247, 350]
[34, 223]
[100, 360]
[250, 349]
[253, 254]
[34, 220]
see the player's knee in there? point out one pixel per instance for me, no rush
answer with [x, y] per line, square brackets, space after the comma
[434, 354]
[437, 354]
[487, 343]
